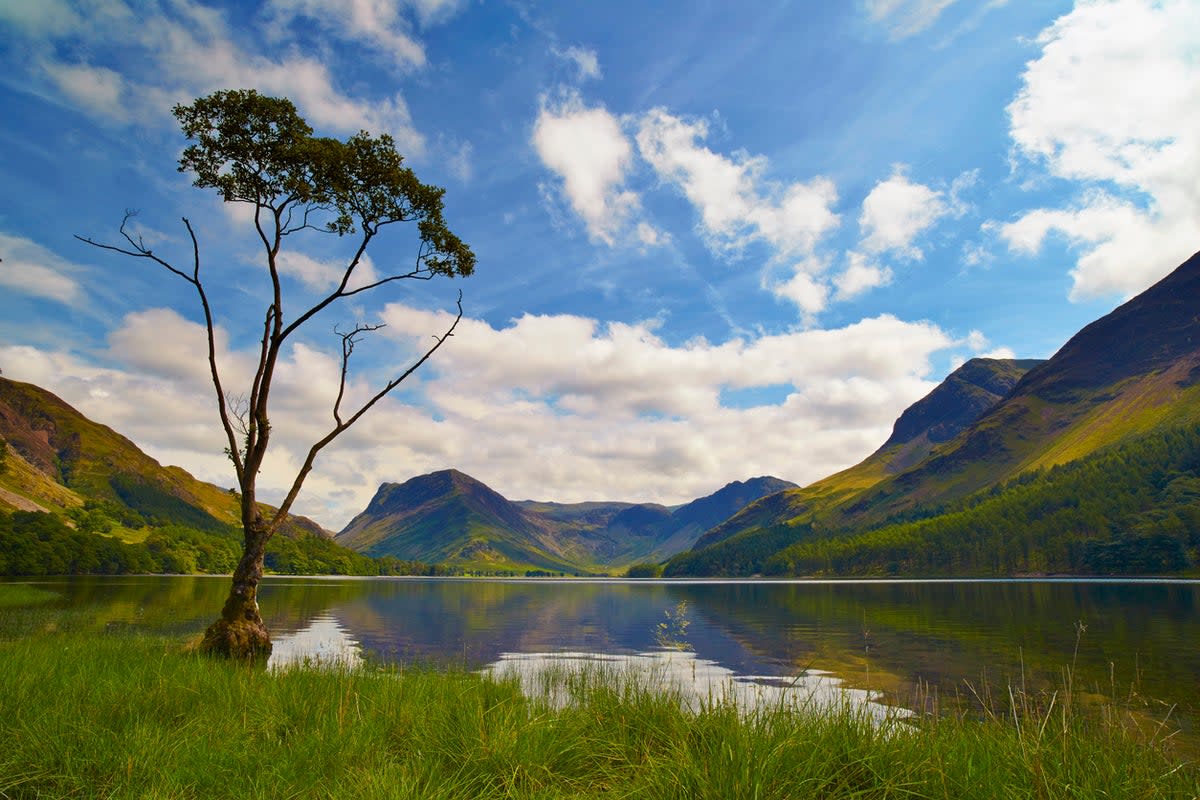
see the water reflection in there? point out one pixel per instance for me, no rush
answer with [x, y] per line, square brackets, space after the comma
[697, 682]
[324, 642]
[1140, 636]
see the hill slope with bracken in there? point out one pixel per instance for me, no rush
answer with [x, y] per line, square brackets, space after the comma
[57, 459]
[1132, 373]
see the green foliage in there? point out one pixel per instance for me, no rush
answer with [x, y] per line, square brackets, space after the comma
[3, 456]
[42, 544]
[744, 554]
[119, 716]
[1126, 510]
[645, 570]
[257, 149]
[161, 507]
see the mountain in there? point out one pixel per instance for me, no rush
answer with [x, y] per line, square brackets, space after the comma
[58, 458]
[452, 518]
[962, 398]
[1133, 373]
[94, 480]
[449, 517]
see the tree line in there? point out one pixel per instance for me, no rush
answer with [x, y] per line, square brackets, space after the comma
[33, 543]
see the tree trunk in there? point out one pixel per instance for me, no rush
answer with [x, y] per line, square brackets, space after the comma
[240, 632]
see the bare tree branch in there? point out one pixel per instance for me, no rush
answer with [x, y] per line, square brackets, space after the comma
[341, 426]
[141, 251]
[348, 341]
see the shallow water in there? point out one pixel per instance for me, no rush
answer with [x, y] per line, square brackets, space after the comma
[1116, 638]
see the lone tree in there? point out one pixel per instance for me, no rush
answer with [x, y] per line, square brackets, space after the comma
[258, 150]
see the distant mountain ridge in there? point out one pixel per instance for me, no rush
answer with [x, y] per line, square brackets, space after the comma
[1132, 373]
[450, 517]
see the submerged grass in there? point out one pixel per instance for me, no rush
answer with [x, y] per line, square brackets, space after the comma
[121, 715]
[13, 595]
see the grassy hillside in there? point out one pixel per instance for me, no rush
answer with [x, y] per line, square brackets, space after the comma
[1130, 374]
[78, 497]
[1130, 509]
[967, 394]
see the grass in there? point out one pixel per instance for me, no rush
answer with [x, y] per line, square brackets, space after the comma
[20, 594]
[122, 715]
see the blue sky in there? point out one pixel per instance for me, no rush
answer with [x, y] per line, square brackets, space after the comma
[715, 240]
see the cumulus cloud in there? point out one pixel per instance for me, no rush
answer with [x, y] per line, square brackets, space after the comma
[324, 275]
[1112, 102]
[896, 212]
[860, 275]
[30, 269]
[548, 406]
[586, 148]
[737, 203]
[808, 293]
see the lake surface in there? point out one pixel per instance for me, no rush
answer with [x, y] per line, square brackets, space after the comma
[951, 638]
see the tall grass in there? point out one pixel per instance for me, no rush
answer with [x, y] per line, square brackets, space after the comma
[120, 715]
[13, 595]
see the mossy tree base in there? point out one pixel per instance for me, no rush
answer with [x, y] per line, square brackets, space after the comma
[245, 640]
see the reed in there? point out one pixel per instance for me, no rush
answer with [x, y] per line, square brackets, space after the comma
[86, 714]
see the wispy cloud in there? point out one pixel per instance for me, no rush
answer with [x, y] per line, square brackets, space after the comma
[30, 269]
[904, 18]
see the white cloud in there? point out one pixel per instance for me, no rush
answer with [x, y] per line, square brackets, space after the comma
[435, 12]
[737, 204]
[40, 18]
[552, 407]
[30, 269]
[324, 276]
[378, 23]
[650, 236]
[98, 89]
[904, 18]
[587, 149]
[1113, 103]
[459, 160]
[896, 212]
[584, 59]
[808, 293]
[186, 49]
[860, 275]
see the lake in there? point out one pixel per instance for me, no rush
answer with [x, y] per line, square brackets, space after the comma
[880, 639]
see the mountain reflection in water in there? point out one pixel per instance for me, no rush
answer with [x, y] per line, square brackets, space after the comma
[1118, 638]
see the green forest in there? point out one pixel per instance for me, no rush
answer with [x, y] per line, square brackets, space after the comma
[33, 543]
[1132, 509]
